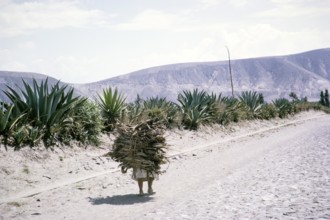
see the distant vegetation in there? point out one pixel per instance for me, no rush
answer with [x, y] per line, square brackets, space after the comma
[324, 98]
[53, 115]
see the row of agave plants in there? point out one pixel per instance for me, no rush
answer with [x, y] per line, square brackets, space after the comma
[54, 115]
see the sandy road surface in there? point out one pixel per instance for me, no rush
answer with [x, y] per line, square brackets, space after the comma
[280, 174]
[290, 179]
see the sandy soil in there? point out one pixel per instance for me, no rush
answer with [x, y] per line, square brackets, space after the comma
[252, 170]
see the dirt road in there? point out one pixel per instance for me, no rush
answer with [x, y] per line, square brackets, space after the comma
[281, 173]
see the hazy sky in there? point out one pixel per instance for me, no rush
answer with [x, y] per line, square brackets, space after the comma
[89, 40]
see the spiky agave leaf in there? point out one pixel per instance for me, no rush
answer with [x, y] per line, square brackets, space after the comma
[283, 106]
[253, 103]
[44, 107]
[159, 109]
[197, 107]
[7, 122]
[112, 104]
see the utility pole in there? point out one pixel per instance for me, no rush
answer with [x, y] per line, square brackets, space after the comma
[231, 76]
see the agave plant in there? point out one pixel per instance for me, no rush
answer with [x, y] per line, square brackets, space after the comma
[25, 134]
[4, 118]
[112, 104]
[133, 113]
[20, 136]
[268, 111]
[283, 106]
[227, 110]
[43, 108]
[6, 121]
[253, 103]
[197, 108]
[87, 124]
[159, 109]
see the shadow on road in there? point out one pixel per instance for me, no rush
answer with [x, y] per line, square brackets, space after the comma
[120, 199]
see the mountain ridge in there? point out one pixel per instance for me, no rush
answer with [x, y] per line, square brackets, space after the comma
[305, 73]
[276, 76]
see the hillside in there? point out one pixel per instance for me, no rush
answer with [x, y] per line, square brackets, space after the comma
[306, 74]
[15, 80]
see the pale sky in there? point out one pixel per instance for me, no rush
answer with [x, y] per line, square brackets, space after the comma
[81, 41]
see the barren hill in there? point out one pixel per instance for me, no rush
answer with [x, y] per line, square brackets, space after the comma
[305, 74]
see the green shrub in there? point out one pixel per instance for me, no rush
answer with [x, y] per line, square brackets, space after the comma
[252, 102]
[268, 111]
[323, 108]
[7, 122]
[133, 113]
[159, 109]
[154, 108]
[227, 110]
[283, 107]
[86, 126]
[35, 135]
[43, 112]
[197, 108]
[112, 104]
[19, 137]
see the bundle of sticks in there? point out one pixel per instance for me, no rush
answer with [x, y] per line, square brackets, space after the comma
[141, 146]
